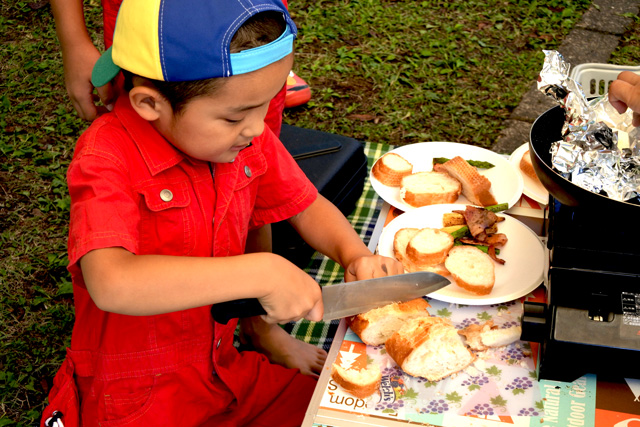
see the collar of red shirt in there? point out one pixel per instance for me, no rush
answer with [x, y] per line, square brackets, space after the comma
[158, 154]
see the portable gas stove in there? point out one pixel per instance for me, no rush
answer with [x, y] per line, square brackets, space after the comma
[591, 321]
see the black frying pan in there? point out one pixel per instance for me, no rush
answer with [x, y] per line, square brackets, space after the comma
[546, 130]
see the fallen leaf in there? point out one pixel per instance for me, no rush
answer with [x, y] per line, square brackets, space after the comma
[362, 117]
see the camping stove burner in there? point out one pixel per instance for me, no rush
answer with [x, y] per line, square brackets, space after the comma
[593, 296]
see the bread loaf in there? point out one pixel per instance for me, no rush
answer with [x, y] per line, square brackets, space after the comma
[375, 326]
[429, 188]
[391, 168]
[471, 268]
[475, 187]
[526, 166]
[487, 335]
[429, 347]
[359, 383]
[429, 247]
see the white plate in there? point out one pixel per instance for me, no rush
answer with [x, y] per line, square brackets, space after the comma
[532, 188]
[506, 182]
[521, 273]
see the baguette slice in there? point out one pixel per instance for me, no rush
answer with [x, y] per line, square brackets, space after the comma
[429, 188]
[485, 336]
[429, 347]
[376, 326]
[527, 167]
[400, 242]
[391, 168]
[475, 187]
[362, 383]
[429, 247]
[472, 269]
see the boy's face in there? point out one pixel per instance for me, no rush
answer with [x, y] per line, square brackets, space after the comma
[215, 128]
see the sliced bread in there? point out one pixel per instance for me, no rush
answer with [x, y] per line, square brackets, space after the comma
[526, 166]
[429, 188]
[485, 336]
[391, 168]
[438, 269]
[359, 383]
[429, 347]
[400, 241]
[376, 326]
[475, 187]
[472, 269]
[429, 247]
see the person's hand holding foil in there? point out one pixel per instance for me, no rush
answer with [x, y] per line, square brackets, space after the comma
[625, 93]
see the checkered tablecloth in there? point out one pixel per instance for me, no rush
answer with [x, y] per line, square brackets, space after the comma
[326, 271]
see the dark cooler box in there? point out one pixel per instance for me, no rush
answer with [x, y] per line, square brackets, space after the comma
[336, 165]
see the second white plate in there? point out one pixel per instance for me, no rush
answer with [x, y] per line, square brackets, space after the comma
[521, 273]
[532, 188]
[506, 181]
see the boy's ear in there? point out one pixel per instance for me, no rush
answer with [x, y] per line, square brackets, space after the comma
[147, 102]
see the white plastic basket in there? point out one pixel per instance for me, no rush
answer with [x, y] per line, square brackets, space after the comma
[595, 78]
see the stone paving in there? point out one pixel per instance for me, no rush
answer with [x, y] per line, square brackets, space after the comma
[593, 39]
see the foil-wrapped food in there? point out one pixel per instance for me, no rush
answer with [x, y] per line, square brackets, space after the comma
[600, 148]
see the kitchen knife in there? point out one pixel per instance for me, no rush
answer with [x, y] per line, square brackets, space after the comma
[348, 299]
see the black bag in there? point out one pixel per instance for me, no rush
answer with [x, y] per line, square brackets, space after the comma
[336, 165]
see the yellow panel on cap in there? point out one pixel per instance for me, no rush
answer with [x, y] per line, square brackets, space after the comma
[135, 40]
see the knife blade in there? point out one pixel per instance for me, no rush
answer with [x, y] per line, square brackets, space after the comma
[348, 299]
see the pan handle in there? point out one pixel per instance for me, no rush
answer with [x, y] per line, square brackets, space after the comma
[222, 312]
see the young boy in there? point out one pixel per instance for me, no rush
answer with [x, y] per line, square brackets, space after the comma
[79, 56]
[165, 190]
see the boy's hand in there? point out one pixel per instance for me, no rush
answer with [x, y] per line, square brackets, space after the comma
[372, 266]
[294, 295]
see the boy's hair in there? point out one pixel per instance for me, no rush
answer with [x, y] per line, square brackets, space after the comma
[259, 30]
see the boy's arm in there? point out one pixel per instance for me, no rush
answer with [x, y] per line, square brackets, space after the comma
[78, 56]
[259, 240]
[326, 229]
[121, 282]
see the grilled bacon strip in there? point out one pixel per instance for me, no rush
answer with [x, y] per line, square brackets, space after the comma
[497, 239]
[492, 253]
[478, 220]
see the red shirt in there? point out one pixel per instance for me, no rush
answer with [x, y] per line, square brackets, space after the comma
[130, 188]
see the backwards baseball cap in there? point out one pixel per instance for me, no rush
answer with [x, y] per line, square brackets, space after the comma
[183, 40]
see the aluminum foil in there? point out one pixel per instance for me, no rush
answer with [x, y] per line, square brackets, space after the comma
[600, 148]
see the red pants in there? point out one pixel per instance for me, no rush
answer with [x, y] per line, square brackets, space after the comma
[160, 388]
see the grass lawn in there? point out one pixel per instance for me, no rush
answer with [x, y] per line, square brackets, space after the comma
[397, 72]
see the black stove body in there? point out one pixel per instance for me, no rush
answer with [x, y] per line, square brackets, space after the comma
[591, 321]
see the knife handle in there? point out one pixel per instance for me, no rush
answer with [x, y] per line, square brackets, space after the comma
[222, 312]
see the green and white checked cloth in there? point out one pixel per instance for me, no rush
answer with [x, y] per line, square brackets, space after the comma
[326, 271]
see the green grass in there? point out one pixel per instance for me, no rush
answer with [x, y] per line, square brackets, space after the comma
[628, 51]
[38, 131]
[386, 71]
[405, 72]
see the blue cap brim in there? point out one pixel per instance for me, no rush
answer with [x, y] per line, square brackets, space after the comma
[261, 56]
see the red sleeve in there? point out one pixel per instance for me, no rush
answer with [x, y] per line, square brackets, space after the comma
[284, 189]
[104, 210]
